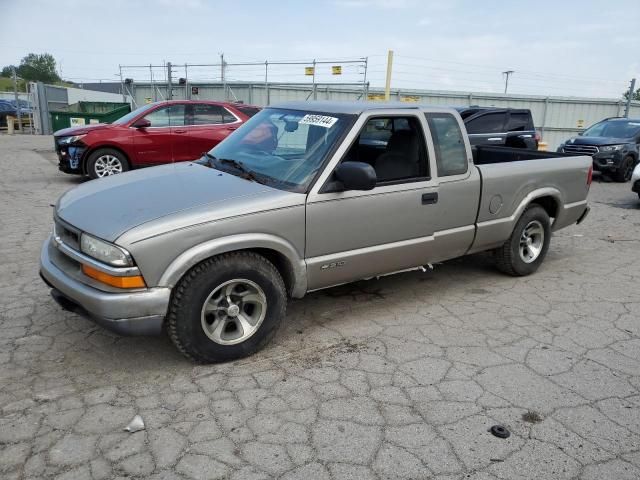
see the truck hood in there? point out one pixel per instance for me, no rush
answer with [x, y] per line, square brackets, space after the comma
[597, 141]
[84, 129]
[110, 206]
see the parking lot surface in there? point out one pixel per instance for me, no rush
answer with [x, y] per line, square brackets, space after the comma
[395, 378]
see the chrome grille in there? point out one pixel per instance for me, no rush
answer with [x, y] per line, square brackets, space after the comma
[67, 235]
[581, 149]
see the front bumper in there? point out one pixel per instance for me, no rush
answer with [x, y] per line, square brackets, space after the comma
[70, 157]
[607, 161]
[139, 312]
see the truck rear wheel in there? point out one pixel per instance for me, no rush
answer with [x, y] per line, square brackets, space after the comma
[227, 307]
[525, 250]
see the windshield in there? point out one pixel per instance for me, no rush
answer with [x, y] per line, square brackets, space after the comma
[131, 115]
[614, 129]
[282, 148]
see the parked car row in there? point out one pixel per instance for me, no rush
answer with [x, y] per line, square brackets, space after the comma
[157, 133]
[175, 131]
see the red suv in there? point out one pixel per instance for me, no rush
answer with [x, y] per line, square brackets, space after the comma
[162, 132]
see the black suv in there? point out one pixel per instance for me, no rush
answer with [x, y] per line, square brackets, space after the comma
[613, 144]
[507, 127]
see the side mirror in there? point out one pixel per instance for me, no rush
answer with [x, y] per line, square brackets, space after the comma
[356, 176]
[141, 123]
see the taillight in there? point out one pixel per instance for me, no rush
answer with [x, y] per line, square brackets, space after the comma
[538, 137]
[590, 175]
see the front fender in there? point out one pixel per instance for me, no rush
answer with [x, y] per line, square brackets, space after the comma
[191, 257]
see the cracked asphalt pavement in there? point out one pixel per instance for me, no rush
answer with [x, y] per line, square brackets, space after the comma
[395, 378]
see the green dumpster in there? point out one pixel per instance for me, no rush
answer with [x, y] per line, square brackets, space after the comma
[87, 113]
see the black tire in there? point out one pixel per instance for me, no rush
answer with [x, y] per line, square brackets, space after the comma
[186, 317]
[112, 162]
[509, 259]
[625, 170]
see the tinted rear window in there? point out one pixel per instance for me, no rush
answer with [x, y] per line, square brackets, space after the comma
[519, 122]
[487, 123]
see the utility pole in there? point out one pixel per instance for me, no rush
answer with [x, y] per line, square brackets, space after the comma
[632, 89]
[124, 97]
[506, 79]
[222, 77]
[315, 97]
[15, 92]
[266, 81]
[387, 85]
[169, 87]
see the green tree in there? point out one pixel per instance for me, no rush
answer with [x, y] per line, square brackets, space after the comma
[7, 72]
[636, 95]
[38, 68]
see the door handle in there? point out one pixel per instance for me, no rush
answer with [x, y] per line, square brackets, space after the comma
[494, 139]
[232, 128]
[429, 198]
[179, 131]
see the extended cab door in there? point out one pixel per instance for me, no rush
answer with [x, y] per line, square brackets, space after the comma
[458, 186]
[487, 128]
[358, 234]
[163, 139]
[209, 124]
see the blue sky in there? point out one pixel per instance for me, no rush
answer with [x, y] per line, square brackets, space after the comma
[575, 48]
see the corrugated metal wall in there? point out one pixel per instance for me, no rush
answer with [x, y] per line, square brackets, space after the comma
[556, 118]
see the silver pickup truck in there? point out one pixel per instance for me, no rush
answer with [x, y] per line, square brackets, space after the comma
[304, 196]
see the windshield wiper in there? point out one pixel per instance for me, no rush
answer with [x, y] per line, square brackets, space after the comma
[245, 173]
[211, 159]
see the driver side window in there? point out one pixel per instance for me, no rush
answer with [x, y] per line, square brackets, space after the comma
[394, 147]
[170, 116]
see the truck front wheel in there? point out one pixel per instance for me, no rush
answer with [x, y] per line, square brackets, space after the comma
[525, 250]
[227, 307]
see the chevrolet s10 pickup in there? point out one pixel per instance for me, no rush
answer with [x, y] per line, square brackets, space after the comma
[304, 196]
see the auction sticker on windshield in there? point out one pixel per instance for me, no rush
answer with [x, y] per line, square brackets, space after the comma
[318, 120]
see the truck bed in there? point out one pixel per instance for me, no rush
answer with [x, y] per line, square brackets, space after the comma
[485, 155]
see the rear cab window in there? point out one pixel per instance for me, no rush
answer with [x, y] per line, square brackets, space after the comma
[448, 142]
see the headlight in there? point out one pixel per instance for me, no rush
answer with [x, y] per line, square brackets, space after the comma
[105, 252]
[611, 148]
[70, 140]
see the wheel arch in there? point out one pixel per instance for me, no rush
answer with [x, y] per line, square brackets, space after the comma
[550, 204]
[278, 251]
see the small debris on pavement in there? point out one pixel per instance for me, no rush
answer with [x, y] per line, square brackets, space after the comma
[532, 417]
[500, 431]
[135, 425]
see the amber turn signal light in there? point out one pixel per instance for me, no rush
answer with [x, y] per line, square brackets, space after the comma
[120, 282]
